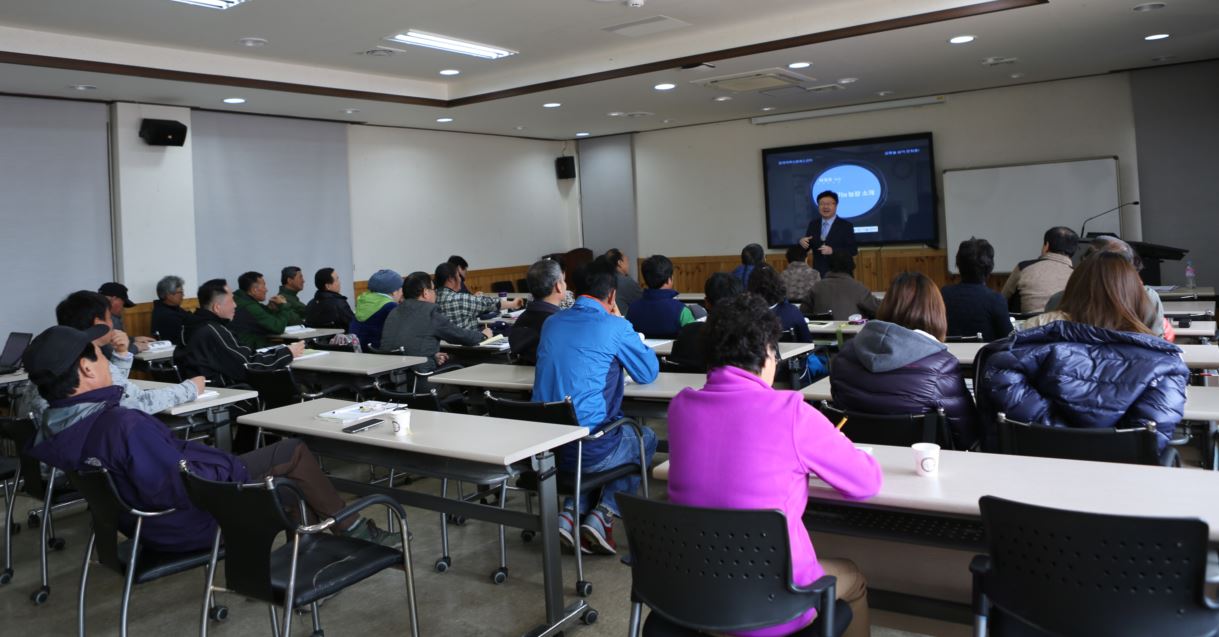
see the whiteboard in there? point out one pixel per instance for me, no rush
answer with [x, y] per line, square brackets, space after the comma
[1013, 206]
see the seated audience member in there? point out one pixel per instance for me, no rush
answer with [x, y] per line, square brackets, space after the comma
[329, 307]
[463, 308]
[254, 323]
[972, 307]
[799, 277]
[213, 351]
[765, 282]
[81, 311]
[574, 261]
[372, 307]
[658, 313]
[417, 325]
[1153, 319]
[737, 443]
[167, 312]
[116, 293]
[87, 426]
[1032, 283]
[462, 267]
[898, 364]
[688, 349]
[840, 293]
[628, 288]
[752, 255]
[1095, 364]
[548, 288]
[291, 282]
[582, 354]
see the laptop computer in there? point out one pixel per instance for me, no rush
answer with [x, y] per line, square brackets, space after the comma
[10, 358]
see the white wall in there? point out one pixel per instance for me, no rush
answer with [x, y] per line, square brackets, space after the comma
[154, 202]
[419, 196]
[699, 188]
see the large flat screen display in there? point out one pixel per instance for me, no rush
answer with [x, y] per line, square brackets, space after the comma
[885, 186]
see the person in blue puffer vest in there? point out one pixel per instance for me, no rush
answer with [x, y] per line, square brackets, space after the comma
[1091, 364]
[658, 314]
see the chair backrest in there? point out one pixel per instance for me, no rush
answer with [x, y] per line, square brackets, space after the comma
[900, 430]
[669, 365]
[1073, 573]
[502, 286]
[561, 412]
[1134, 446]
[251, 516]
[711, 569]
[827, 315]
[165, 371]
[22, 431]
[788, 335]
[972, 338]
[522, 285]
[106, 509]
[349, 347]
[275, 387]
[423, 401]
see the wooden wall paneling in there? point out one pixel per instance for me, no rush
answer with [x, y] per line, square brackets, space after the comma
[137, 321]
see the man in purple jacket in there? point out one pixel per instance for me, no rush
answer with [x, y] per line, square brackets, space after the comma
[86, 427]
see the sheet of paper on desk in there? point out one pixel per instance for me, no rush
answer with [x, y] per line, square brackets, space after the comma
[295, 329]
[311, 353]
[499, 341]
[359, 411]
[515, 313]
[157, 346]
[207, 394]
[1163, 288]
[656, 342]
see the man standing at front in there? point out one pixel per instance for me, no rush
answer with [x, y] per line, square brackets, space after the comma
[581, 354]
[828, 234]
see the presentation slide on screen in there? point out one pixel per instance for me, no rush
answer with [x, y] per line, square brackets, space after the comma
[886, 188]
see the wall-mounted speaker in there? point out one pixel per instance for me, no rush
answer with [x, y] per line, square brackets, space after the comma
[565, 168]
[162, 132]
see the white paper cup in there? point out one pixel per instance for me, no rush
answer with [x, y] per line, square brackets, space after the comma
[401, 421]
[926, 458]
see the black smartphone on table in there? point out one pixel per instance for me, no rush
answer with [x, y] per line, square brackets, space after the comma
[362, 426]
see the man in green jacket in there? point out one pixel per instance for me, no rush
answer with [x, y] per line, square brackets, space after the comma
[254, 322]
[291, 282]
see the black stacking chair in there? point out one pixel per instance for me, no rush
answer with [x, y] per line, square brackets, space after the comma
[570, 484]
[669, 365]
[311, 566]
[828, 315]
[684, 567]
[416, 375]
[1056, 572]
[522, 285]
[54, 492]
[327, 347]
[502, 286]
[10, 475]
[972, 338]
[165, 371]
[898, 430]
[278, 388]
[137, 564]
[1136, 445]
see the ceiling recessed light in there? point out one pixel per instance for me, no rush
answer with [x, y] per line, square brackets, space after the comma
[234, 100]
[1156, 36]
[452, 45]
[884, 93]
[253, 43]
[83, 87]
[1149, 6]
[350, 111]
[667, 121]
[520, 128]
[665, 86]
[213, 4]
[615, 114]
[767, 109]
[723, 98]
[961, 39]
[443, 120]
[551, 105]
[1016, 76]
[450, 72]
[848, 80]
[799, 65]
[581, 134]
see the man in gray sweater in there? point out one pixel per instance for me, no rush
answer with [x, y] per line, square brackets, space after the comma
[418, 325]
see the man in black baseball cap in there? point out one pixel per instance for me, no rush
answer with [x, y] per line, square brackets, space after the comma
[86, 426]
[116, 293]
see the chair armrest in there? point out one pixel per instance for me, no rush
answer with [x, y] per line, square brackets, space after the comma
[324, 392]
[448, 367]
[826, 591]
[356, 507]
[1169, 457]
[980, 567]
[825, 584]
[629, 422]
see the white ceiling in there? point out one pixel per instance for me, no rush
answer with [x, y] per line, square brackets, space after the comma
[314, 42]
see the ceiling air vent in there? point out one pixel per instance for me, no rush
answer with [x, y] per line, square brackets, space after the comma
[647, 26]
[755, 81]
[380, 52]
[825, 88]
[999, 61]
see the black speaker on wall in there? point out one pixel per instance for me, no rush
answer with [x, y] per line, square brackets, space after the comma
[162, 132]
[565, 168]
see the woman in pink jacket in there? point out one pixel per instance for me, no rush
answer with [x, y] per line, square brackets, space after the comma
[738, 443]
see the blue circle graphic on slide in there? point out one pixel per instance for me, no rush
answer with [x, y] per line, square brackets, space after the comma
[858, 188]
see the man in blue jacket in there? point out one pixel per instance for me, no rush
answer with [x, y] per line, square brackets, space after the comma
[86, 427]
[582, 353]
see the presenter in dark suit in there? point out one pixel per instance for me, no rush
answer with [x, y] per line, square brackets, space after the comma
[828, 234]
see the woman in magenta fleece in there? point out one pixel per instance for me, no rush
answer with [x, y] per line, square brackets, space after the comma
[738, 443]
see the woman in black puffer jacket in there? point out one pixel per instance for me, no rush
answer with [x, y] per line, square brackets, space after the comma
[1093, 364]
[899, 364]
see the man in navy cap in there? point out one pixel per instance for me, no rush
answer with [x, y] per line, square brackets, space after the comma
[116, 293]
[85, 426]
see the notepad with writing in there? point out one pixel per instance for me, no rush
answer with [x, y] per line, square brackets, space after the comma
[207, 394]
[359, 411]
[499, 341]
